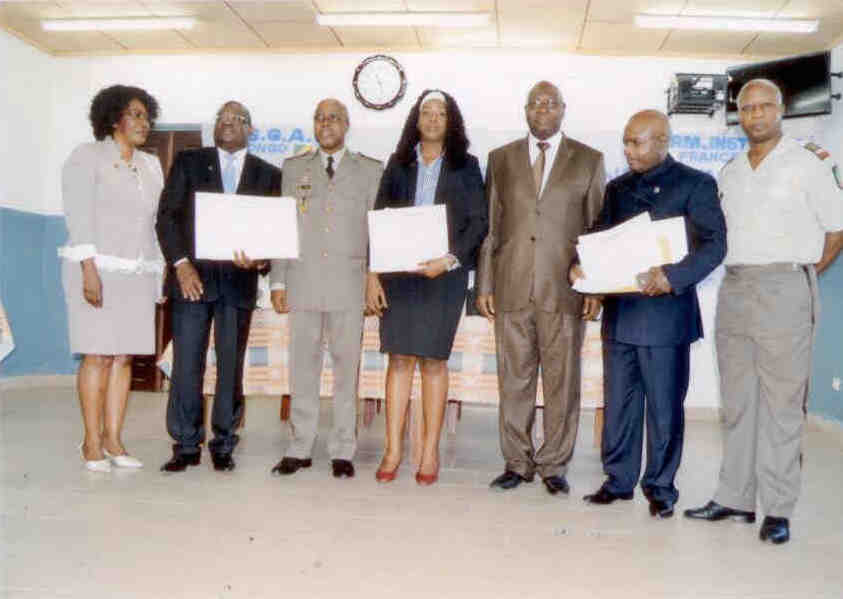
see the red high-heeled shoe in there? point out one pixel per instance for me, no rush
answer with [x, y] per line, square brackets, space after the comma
[426, 479]
[386, 476]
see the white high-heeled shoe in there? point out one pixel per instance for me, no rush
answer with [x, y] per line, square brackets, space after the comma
[103, 465]
[123, 461]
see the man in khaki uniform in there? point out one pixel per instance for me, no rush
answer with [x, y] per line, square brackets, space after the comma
[324, 289]
[543, 191]
[784, 220]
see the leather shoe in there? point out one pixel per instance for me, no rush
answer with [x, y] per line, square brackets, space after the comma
[510, 480]
[342, 468]
[604, 496]
[660, 509]
[556, 484]
[289, 465]
[222, 461]
[713, 511]
[180, 461]
[775, 530]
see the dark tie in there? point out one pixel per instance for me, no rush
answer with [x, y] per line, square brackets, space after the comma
[330, 168]
[538, 166]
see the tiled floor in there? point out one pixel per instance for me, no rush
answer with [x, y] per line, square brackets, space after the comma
[70, 533]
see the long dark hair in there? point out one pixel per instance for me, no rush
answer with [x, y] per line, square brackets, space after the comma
[456, 143]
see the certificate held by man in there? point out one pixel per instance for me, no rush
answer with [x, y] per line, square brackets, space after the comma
[400, 239]
[260, 227]
[615, 260]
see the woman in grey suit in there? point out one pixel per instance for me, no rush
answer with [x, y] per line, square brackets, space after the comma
[112, 266]
[420, 310]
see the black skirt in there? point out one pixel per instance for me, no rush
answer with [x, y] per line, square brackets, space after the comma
[423, 313]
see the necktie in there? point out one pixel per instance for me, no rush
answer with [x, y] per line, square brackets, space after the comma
[330, 168]
[229, 175]
[538, 166]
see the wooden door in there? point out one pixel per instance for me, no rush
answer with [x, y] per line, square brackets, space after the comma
[166, 144]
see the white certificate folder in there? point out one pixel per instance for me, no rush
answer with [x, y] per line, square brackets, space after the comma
[611, 259]
[401, 238]
[261, 227]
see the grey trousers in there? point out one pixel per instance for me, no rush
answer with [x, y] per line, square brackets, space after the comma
[342, 332]
[525, 340]
[766, 316]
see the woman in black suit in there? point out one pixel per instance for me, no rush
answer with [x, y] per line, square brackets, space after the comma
[420, 310]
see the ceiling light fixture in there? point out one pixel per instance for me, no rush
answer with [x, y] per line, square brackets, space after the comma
[727, 24]
[404, 19]
[130, 24]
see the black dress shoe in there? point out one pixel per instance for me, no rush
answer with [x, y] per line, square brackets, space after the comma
[509, 480]
[556, 484]
[775, 530]
[660, 509]
[222, 461]
[342, 468]
[713, 511]
[604, 496]
[180, 461]
[289, 465]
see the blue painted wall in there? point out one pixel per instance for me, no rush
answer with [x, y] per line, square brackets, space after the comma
[828, 351]
[31, 291]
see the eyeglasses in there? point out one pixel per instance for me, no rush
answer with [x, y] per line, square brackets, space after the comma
[549, 104]
[763, 106]
[231, 116]
[330, 119]
[138, 115]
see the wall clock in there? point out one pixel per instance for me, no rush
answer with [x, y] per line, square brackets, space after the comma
[379, 82]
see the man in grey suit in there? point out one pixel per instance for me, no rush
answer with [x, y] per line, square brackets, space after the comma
[325, 288]
[543, 191]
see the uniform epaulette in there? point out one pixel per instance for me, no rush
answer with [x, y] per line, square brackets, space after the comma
[816, 150]
[362, 155]
[307, 151]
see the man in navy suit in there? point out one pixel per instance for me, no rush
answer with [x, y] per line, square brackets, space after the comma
[203, 291]
[647, 336]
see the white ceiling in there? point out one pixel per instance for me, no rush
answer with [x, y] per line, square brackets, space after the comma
[581, 26]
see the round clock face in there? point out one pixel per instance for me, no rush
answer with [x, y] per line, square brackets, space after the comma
[379, 82]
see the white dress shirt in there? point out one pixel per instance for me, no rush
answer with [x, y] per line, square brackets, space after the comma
[337, 157]
[549, 154]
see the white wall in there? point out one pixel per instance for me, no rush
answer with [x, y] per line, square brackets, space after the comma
[491, 87]
[26, 109]
[47, 99]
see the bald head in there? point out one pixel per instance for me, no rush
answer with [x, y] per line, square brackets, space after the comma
[646, 140]
[330, 124]
[545, 109]
[331, 105]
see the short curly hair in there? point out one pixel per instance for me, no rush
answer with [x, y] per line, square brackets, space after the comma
[108, 106]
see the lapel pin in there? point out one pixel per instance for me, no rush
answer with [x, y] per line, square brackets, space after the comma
[656, 189]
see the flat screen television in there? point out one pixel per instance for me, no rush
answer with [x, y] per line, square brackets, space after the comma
[805, 82]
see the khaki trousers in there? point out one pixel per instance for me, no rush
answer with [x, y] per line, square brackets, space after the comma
[525, 340]
[766, 316]
[342, 332]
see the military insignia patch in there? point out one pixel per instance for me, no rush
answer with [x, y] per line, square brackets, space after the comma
[303, 192]
[816, 150]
